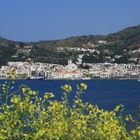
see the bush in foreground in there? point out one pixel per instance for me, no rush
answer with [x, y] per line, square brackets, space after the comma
[25, 115]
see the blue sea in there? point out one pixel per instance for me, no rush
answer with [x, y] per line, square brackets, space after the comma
[104, 93]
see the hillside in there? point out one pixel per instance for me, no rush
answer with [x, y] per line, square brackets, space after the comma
[128, 36]
[7, 48]
[120, 47]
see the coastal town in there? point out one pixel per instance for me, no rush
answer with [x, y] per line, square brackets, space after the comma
[78, 69]
[37, 70]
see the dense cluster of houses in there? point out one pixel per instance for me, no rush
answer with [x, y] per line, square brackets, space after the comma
[31, 70]
[113, 70]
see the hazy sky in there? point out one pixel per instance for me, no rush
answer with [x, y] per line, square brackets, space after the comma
[33, 20]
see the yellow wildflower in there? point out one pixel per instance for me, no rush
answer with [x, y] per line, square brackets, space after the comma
[82, 86]
[48, 95]
[67, 88]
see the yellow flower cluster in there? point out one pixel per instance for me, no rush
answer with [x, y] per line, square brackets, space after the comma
[30, 116]
[67, 88]
[48, 95]
[82, 86]
[15, 99]
[12, 74]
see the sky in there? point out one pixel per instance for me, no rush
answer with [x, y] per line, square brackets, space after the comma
[34, 20]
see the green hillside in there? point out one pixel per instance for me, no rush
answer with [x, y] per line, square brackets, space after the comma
[124, 44]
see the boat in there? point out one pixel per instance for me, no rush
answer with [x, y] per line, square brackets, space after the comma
[86, 78]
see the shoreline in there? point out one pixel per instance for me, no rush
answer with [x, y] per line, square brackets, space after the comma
[76, 79]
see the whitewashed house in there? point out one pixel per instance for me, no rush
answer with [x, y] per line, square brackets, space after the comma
[71, 66]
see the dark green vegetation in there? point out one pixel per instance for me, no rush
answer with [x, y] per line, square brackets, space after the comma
[122, 44]
[7, 48]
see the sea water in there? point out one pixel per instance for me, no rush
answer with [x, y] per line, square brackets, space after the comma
[104, 93]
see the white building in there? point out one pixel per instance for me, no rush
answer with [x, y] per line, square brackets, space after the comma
[71, 66]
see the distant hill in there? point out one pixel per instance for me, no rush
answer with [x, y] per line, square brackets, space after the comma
[130, 36]
[6, 42]
[122, 46]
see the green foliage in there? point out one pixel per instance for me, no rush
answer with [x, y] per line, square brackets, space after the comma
[90, 58]
[25, 115]
[123, 59]
[51, 55]
[5, 54]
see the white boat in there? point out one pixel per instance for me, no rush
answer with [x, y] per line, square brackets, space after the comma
[86, 78]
